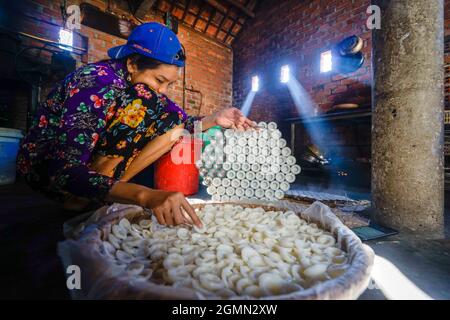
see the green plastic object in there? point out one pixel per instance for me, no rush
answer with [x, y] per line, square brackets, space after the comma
[206, 136]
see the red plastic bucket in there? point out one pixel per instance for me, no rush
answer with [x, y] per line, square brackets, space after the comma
[176, 170]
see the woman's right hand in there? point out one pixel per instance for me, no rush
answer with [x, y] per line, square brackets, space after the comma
[167, 206]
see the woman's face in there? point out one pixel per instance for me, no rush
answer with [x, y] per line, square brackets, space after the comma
[158, 79]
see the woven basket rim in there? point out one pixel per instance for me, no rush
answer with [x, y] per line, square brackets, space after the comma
[349, 285]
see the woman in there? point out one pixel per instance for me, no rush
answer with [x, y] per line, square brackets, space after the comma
[122, 103]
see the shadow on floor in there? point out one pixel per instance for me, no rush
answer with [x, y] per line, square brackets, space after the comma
[30, 227]
[426, 263]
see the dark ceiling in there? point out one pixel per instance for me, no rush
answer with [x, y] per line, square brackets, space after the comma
[218, 19]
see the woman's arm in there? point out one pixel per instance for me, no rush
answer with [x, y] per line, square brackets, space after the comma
[81, 123]
[153, 151]
[208, 122]
[132, 144]
[226, 118]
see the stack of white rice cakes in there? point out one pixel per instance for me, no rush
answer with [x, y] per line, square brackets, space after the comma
[239, 252]
[252, 164]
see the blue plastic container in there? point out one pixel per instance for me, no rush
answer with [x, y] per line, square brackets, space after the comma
[9, 146]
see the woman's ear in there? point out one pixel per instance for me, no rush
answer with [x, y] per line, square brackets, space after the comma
[131, 67]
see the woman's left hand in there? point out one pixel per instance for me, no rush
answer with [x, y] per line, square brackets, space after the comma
[233, 118]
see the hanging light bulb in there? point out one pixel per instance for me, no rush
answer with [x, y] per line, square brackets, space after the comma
[66, 39]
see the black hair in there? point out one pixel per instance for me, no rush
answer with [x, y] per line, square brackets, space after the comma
[145, 63]
[142, 62]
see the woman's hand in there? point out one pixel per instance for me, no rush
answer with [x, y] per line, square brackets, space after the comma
[229, 118]
[170, 208]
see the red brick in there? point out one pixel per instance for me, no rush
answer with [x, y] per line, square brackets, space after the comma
[348, 81]
[313, 26]
[208, 68]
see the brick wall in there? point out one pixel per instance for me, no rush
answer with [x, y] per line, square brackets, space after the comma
[296, 33]
[209, 64]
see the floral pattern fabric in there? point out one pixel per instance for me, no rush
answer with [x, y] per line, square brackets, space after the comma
[56, 152]
[138, 115]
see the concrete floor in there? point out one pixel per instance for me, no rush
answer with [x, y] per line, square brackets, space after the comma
[426, 263]
[30, 227]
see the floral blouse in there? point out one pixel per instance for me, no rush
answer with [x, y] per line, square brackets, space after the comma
[56, 152]
[138, 115]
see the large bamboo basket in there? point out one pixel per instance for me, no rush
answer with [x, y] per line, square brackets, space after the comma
[102, 281]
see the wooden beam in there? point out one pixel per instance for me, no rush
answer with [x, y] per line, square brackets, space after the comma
[225, 16]
[215, 5]
[172, 4]
[200, 11]
[186, 9]
[230, 31]
[207, 36]
[244, 9]
[209, 21]
[218, 8]
[212, 15]
[227, 35]
[144, 8]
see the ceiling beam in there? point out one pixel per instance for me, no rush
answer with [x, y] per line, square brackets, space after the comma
[216, 6]
[230, 32]
[172, 4]
[219, 28]
[186, 9]
[200, 11]
[224, 12]
[244, 9]
[226, 15]
[144, 8]
[212, 15]
[207, 36]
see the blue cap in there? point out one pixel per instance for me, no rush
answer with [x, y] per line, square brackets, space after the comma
[153, 40]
